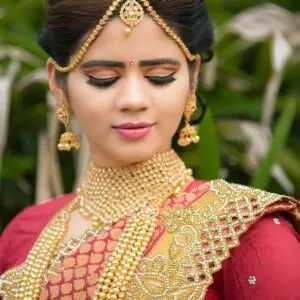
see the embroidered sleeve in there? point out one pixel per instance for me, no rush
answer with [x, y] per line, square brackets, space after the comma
[266, 264]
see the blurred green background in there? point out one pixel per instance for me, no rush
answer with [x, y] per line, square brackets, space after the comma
[250, 134]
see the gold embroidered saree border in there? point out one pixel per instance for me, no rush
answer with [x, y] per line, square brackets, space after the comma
[199, 240]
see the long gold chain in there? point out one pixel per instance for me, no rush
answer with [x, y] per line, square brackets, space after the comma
[127, 255]
[28, 278]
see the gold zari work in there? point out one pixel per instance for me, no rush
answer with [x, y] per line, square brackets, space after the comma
[198, 238]
[201, 237]
[131, 13]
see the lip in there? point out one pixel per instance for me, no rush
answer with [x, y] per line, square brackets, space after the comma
[134, 130]
[130, 125]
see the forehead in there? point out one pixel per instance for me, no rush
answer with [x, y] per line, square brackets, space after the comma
[146, 41]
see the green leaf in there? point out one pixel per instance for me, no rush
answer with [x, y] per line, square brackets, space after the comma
[281, 133]
[208, 149]
[16, 166]
[291, 163]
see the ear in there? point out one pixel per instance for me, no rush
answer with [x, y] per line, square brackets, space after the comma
[196, 74]
[53, 84]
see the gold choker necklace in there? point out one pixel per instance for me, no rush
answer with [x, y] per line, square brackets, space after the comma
[109, 194]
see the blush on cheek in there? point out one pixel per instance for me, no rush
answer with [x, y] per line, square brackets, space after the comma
[91, 115]
[171, 118]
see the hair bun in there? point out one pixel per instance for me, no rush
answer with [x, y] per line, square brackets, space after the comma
[43, 40]
[48, 40]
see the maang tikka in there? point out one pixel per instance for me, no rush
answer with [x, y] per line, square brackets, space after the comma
[68, 140]
[131, 12]
[188, 134]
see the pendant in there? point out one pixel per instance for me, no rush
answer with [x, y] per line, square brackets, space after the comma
[132, 13]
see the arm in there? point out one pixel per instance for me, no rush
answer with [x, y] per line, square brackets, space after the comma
[5, 241]
[266, 265]
[20, 235]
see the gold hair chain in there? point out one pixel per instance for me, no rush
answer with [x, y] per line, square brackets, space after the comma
[131, 13]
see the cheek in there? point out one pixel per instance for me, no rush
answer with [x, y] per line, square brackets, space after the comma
[172, 107]
[90, 107]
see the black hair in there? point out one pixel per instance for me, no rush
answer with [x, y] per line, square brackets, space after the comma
[68, 21]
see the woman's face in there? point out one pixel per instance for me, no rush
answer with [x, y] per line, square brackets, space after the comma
[129, 93]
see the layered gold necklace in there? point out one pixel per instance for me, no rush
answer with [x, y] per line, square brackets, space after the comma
[107, 195]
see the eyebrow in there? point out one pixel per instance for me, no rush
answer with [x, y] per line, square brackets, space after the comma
[120, 64]
[157, 62]
[103, 63]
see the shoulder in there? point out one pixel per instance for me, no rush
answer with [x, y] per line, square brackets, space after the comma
[245, 204]
[266, 263]
[21, 233]
[271, 234]
[47, 209]
[36, 216]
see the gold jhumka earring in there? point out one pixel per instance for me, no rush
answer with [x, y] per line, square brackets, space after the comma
[188, 134]
[68, 140]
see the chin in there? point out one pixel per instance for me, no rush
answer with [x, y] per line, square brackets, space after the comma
[135, 153]
[121, 152]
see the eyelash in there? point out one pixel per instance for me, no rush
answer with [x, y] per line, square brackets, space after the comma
[155, 80]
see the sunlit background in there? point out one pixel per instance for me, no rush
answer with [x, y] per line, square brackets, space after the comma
[250, 135]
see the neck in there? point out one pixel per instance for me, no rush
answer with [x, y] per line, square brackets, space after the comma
[109, 194]
[108, 160]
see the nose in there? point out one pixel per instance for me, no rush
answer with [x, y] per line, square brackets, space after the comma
[133, 97]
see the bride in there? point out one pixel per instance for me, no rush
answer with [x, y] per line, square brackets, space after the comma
[140, 226]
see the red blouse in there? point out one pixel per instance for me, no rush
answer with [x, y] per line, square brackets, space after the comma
[265, 266]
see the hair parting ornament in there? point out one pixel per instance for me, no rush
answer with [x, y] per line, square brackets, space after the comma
[131, 13]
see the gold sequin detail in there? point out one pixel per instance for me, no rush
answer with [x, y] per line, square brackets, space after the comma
[201, 237]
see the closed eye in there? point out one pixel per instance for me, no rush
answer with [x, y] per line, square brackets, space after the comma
[108, 82]
[161, 80]
[103, 82]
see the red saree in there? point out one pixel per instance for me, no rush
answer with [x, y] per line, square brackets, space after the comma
[265, 264]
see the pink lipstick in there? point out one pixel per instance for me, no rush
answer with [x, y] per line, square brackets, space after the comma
[134, 130]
